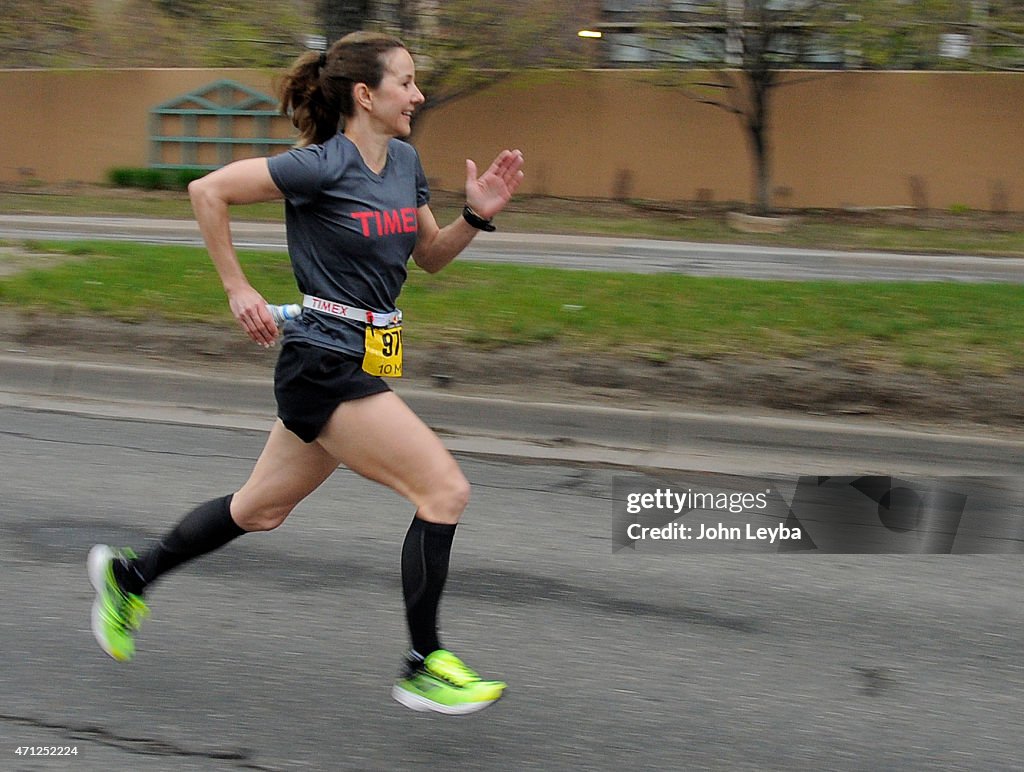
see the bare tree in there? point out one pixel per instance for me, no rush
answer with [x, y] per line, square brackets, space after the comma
[464, 46]
[742, 47]
[762, 39]
[748, 45]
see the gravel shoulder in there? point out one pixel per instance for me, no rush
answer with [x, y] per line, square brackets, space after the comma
[818, 386]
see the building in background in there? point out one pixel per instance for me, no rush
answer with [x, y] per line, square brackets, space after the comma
[971, 34]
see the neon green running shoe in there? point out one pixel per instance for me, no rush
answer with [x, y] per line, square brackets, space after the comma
[116, 614]
[444, 684]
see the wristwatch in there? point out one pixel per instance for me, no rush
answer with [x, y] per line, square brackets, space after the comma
[476, 220]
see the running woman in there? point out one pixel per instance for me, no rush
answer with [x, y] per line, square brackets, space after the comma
[356, 205]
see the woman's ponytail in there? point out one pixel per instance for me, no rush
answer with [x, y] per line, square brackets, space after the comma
[304, 100]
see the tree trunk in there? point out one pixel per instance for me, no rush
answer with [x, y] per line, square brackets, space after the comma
[340, 17]
[405, 12]
[757, 130]
[762, 171]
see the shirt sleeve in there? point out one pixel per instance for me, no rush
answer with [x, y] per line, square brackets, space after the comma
[422, 187]
[298, 173]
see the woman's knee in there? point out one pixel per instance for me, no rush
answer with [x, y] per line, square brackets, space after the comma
[460, 493]
[447, 499]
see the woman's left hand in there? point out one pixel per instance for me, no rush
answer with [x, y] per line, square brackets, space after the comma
[488, 193]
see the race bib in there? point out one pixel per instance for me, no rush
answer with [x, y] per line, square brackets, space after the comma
[383, 355]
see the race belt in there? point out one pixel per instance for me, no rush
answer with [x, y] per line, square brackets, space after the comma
[342, 311]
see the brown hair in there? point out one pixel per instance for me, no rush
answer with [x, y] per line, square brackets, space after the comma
[316, 92]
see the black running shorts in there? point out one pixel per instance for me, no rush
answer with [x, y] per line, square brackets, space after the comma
[310, 382]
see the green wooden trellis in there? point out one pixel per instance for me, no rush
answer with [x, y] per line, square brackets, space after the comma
[224, 101]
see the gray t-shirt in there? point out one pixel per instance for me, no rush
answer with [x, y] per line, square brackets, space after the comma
[350, 232]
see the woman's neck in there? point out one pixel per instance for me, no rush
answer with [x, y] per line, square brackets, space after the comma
[372, 146]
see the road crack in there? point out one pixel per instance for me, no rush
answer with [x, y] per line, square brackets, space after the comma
[143, 746]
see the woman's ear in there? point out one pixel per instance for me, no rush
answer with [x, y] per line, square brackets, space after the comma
[362, 95]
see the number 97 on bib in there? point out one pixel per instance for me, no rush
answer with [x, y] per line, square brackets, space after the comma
[383, 355]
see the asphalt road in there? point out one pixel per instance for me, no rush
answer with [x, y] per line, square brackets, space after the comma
[578, 252]
[277, 653]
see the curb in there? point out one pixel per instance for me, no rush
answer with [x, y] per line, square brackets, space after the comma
[622, 437]
[446, 413]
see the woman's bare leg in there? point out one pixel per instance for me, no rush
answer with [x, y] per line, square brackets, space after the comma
[382, 439]
[287, 471]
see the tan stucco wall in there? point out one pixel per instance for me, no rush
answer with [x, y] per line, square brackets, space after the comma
[840, 139]
[76, 125]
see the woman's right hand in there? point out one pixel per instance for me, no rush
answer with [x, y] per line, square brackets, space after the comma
[250, 309]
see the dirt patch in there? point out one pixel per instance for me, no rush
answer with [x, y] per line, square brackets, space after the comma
[13, 260]
[820, 386]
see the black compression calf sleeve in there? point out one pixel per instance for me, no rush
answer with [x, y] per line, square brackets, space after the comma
[204, 529]
[425, 556]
